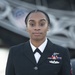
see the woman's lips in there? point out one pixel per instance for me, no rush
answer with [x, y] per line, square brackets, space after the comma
[36, 33]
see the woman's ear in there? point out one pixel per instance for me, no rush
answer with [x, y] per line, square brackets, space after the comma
[26, 29]
[48, 28]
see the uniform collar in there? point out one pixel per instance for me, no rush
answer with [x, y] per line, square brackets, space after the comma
[41, 47]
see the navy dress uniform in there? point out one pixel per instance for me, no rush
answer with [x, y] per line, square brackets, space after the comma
[55, 60]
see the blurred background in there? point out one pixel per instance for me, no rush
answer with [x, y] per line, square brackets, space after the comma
[13, 29]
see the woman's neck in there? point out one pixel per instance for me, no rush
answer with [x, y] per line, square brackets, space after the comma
[37, 43]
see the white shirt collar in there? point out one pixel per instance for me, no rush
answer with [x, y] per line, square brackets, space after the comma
[41, 47]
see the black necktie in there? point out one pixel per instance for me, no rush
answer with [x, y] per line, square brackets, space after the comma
[37, 50]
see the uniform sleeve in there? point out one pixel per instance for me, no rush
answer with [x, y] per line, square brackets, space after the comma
[66, 67]
[10, 67]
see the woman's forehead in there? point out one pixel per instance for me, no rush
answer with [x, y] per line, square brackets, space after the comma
[38, 15]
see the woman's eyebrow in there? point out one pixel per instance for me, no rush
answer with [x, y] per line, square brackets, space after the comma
[31, 20]
[43, 20]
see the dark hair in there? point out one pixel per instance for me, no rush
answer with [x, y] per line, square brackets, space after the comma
[26, 19]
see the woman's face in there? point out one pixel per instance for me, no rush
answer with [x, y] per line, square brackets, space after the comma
[37, 26]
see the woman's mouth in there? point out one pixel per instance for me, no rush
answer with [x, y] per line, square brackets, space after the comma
[37, 34]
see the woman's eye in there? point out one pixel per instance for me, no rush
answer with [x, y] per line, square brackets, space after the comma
[42, 24]
[32, 24]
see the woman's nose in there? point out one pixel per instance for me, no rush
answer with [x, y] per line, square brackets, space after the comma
[37, 28]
